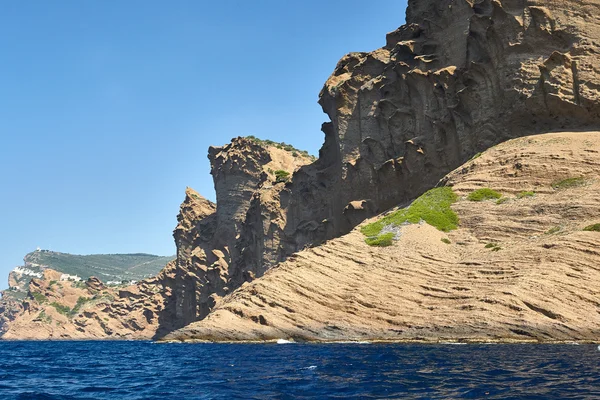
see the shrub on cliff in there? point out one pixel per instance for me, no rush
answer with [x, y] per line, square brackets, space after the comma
[61, 308]
[281, 176]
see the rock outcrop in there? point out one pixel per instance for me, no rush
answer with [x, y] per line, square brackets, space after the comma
[55, 309]
[221, 246]
[458, 78]
[523, 268]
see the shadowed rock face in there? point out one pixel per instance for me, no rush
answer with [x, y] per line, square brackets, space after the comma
[458, 78]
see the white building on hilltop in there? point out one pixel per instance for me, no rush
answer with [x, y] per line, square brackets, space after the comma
[67, 277]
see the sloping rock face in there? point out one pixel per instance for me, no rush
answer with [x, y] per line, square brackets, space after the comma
[538, 282]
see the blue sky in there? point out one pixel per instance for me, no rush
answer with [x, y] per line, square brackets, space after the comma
[107, 108]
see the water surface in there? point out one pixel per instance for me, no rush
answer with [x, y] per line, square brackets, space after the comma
[144, 370]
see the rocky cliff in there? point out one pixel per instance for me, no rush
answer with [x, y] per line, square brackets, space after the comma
[54, 296]
[459, 77]
[521, 267]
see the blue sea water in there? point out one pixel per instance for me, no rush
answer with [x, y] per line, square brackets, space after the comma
[145, 370]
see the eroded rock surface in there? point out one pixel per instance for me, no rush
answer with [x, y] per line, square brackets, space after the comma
[458, 78]
[538, 282]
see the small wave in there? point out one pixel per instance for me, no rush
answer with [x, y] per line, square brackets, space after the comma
[283, 341]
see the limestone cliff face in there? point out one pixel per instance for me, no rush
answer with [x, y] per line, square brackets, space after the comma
[458, 78]
[221, 246]
[521, 269]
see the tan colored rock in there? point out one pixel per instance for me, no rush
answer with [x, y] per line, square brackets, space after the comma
[458, 78]
[65, 310]
[542, 285]
[94, 285]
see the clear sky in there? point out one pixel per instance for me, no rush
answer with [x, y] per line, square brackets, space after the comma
[107, 108]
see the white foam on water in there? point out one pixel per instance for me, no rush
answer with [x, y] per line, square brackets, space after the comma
[283, 341]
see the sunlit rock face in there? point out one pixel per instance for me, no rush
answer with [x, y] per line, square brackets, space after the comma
[459, 77]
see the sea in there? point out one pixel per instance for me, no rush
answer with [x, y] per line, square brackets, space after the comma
[147, 370]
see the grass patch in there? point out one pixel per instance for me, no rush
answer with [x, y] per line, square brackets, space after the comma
[283, 146]
[281, 176]
[432, 207]
[502, 200]
[484, 194]
[568, 183]
[553, 230]
[40, 298]
[525, 194]
[592, 228]
[64, 310]
[476, 156]
[387, 239]
[80, 303]
[43, 317]
[445, 240]
[497, 248]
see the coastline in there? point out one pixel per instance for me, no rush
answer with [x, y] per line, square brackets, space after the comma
[386, 341]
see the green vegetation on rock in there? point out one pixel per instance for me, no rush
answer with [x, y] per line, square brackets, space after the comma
[525, 194]
[43, 317]
[592, 228]
[484, 194]
[476, 156]
[493, 246]
[282, 176]
[40, 298]
[502, 200]
[61, 309]
[553, 230]
[433, 207]
[445, 240]
[387, 239]
[568, 183]
[281, 145]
